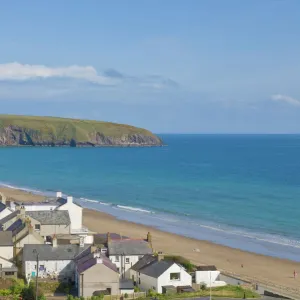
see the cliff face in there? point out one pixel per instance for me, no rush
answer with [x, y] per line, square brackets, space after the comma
[51, 132]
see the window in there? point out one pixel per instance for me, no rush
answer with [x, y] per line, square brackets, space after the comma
[37, 227]
[42, 268]
[117, 259]
[9, 273]
[174, 276]
[127, 260]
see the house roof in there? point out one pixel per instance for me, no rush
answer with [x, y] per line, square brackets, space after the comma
[50, 217]
[206, 268]
[101, 238]
[89, 261]
[157, 268]
[6, 238]
[129, 247]
[9, 217]
[44, 203]
[16, 227]
[63, 201]
[126, 284]
[48, 252]
[2, 206]
[144, 261]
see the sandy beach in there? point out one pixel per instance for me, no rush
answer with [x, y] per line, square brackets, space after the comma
[274, 272]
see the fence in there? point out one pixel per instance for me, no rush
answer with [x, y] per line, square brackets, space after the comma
[122, 297]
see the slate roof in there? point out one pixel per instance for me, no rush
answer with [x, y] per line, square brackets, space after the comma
[9, 217]
[89, 261]
[62, 201]
[129, 247]
[206, 268]
[48, 252]
[6, 238]
[144, 261]
[2, 206]
[101, 238]
[16, 227]
[50, 217]
[126, 284]
[157, 268]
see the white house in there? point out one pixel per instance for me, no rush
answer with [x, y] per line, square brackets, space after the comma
[75, 212]
[4, 211]
[209, 276]
[6, 245]
[153, 273]
[53, 260]
[125, 253]
[36, 206]
[8, 269]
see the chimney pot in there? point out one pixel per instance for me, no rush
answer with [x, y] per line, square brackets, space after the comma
[99, 261]
[160, 256]
[58, 194]
[54, 241]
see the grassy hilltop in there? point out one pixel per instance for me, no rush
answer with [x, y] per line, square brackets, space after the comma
[52, 131]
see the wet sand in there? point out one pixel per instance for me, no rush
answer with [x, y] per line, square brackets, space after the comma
[274, 272]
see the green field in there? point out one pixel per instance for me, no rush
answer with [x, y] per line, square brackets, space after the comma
[35, 130]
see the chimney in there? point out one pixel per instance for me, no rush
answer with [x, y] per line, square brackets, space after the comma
[99, 261]
[149, 239]
[69, 199]
[54, 241]
[96, 254]
[22, 211]
[108, 237]
[160, 256]
[3, 198]
[81, 241]
[58, 195]
[93, 249]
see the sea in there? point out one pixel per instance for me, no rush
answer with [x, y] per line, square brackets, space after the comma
[242, 191]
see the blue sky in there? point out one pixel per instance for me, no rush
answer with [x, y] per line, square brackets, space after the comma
[169, 66]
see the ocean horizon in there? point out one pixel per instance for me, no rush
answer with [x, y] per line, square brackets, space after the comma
[236, 190]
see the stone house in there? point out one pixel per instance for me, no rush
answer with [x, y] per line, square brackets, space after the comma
[96, 274]
[55, 261]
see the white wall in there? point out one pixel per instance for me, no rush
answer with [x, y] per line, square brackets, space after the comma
[60, 267]
[5, 263]
[7, 252]
[164, 279]
[75, 213]
[204, 277]
[133, 259]
[5, 212]
[89, 239]
[39, 207]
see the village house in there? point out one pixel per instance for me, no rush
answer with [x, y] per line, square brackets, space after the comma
[96, 274]
[54, 261]
[48, 223]
[6, 245]
[9, 220]
[127, 252]
[7, 268]
[209, 276]
[159, 275]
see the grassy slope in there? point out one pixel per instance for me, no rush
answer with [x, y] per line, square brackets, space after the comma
[72, 128]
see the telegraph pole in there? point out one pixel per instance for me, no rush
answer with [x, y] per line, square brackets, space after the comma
[37, 274]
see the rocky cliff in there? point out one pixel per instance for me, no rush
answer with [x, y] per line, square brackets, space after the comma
[51, 132]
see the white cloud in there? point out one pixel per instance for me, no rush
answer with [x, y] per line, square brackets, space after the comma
[19, 72]
[286, 99]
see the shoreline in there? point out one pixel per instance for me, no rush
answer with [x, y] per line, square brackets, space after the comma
[266, 270]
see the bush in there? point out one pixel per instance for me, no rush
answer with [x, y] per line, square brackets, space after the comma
[126, 295]
[182, 261]
[137, 289]
[203, 286]
[5, 292]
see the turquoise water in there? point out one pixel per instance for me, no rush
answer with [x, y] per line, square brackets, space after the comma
[238, 190]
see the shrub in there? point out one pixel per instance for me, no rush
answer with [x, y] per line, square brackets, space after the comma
[137, 289]
[5, 292]
[203, 286]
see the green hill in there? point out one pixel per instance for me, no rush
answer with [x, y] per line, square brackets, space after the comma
[52, 131]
